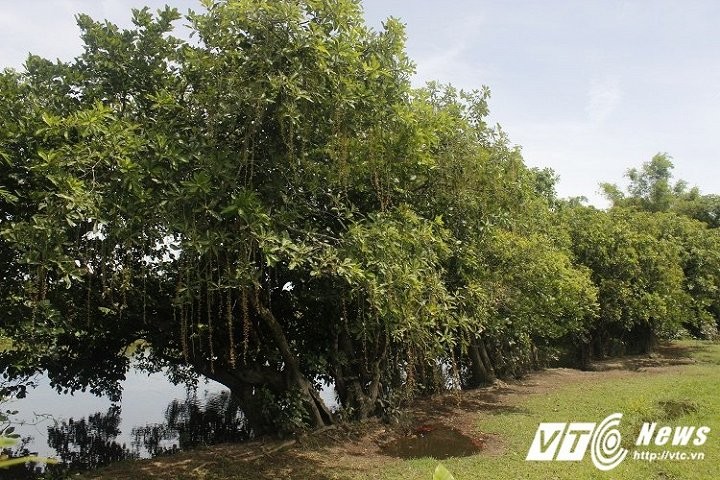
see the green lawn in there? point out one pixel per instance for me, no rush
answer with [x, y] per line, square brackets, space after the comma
[690, 395]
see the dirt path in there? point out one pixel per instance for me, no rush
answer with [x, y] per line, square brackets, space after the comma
[355, 450]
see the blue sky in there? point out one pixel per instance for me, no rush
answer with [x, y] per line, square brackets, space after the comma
[588, 88]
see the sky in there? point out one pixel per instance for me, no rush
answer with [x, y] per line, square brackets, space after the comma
[588, 88]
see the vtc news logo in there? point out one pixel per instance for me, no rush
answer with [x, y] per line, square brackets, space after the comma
[570, 442]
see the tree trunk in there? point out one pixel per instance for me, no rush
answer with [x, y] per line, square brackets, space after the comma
[320, 415]
[478, 372]
[482, 371]
[359, 387]
[491, 376]
[599, 345]
[243, 383]
[648, 340]
[585, 355]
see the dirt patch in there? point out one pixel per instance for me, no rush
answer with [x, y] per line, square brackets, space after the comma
[436, 441]
[673, 409]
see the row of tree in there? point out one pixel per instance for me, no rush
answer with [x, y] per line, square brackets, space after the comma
[272, 205]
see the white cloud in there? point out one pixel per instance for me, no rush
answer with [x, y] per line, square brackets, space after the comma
[438, 65]
[446, 54]
[604, 97]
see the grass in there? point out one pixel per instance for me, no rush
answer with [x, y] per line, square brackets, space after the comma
[641, 397]
[673, 395]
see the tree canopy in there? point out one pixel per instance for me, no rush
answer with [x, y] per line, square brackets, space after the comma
[273, 205]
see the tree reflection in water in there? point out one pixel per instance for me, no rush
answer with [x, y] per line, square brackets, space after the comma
[192, 423]
[88, 443]
[91, 442]
[79, 445]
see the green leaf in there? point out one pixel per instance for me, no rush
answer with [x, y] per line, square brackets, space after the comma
[7, 442]
[442, 473]
[50, 120]
[7, 196]
[18, 461]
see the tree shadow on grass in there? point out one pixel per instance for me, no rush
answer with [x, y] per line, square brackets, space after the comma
[665, 355]
[220, 462]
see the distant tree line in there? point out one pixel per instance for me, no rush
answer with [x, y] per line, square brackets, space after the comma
[273, 205]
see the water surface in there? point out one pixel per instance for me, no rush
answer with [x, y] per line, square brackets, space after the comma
[154, 417]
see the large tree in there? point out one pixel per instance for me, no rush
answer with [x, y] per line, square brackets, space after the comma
[206, 198]
[271, 206]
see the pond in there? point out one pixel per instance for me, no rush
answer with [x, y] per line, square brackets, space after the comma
[154, 417]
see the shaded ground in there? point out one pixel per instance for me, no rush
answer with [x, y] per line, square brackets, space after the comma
[363, 450]
[665, 355]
